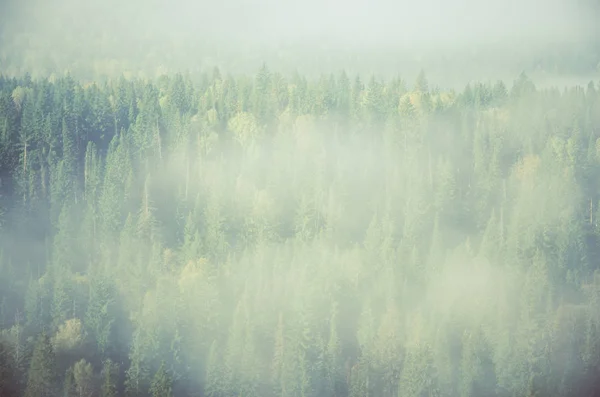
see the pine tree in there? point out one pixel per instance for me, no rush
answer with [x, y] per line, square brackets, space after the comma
[110, 374]
[137, 374]
[99, 316]
[343, 95]
[161, 383]
[83, 373]
[374, 102]
[8, 373]
[214, 372]
[421, 84]
[190, 249]
[69, 386]
[333, 356]
[42, 380]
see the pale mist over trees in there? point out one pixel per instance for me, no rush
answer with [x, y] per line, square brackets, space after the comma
[318, 199]
[455, 41]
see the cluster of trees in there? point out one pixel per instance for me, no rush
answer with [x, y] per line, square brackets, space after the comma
[274, 236]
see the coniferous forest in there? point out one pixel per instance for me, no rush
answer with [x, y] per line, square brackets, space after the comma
[177, 220]
[273, 236]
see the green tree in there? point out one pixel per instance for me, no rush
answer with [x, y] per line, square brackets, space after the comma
[83, 374]
[161, 383]
[110, 376]
[138, 373]
[8, 372]
[99, 319]
[42, 379]
[69, 386]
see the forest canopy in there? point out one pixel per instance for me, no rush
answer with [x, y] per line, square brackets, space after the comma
[327, 198]
[275, 235]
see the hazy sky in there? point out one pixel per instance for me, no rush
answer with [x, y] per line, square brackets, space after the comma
[381, 21]
[480, 38]
[433, 21]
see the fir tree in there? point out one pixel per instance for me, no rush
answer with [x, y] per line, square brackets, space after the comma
[42, 379]
[161, 383]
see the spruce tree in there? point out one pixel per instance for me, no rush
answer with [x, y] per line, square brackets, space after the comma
[8, 373]
[162, 384]
[110, 373]
[42, 380]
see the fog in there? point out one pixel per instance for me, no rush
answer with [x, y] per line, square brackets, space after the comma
[455, 41]
[312, 199]
[401, 23]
